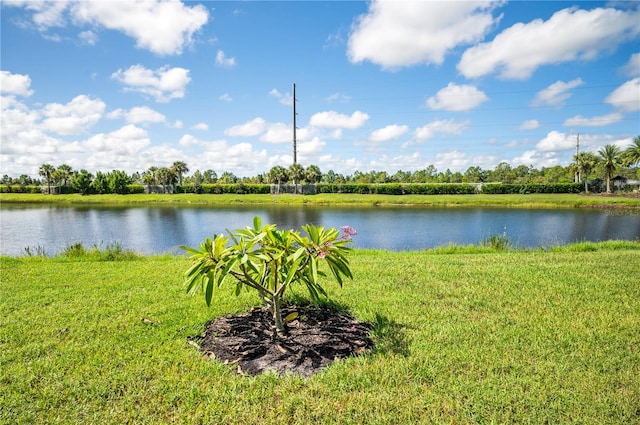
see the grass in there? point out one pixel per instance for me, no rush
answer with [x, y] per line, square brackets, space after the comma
[518, 201]
[473, 337]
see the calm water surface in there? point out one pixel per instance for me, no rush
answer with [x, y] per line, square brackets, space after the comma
[163, 229]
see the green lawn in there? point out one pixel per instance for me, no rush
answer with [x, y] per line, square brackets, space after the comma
[506, 337]
[520, 201]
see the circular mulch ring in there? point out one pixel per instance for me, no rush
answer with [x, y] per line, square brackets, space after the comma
[317, 337]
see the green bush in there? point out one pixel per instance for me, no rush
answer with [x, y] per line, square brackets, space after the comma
[16, 188]
[500, 188]
[135, 188]
[398, 188]
[234, 188]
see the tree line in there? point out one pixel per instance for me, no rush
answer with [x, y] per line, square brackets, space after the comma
[605, 164]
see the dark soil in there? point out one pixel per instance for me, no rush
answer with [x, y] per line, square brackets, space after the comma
[316, 338]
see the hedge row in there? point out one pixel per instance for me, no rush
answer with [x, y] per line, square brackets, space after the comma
[499, 188]
[398, 188]
[217, 189]
[365, 188]
[12, 188]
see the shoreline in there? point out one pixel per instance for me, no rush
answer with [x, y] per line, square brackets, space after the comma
[552, 201]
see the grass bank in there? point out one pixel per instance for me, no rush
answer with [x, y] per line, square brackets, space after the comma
[516, 201]
[506, 337]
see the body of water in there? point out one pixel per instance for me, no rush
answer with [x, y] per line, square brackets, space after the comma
[158, 229]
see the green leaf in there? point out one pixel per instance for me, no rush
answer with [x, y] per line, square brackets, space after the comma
[291, 316]
[209, 289]
[257, 223]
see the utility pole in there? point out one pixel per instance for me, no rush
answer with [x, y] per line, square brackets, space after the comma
[295, 149]
[577, 179]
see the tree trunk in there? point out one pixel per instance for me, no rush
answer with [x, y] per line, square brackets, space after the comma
[276, 309]
[586, 183]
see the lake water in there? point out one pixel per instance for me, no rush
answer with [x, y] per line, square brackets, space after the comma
[154, 229]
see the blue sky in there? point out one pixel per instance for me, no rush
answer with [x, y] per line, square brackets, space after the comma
[381, 85]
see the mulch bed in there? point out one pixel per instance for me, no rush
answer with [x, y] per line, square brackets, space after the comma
[315, 339]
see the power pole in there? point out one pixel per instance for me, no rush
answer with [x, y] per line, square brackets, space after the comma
[577, 179]
[295, 149]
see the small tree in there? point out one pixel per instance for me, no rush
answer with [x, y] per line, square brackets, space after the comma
[46, 171]
[269, 260]
[586, 161]
[81, 181]
[610, 160]
[179, 168]
[313, 174]
[631, 155]
[278, 174]
[296, 173]
[118, 181]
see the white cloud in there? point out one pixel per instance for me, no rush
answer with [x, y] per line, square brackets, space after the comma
[411, 162]
[457, 98]
[394, 34]
[188, 140]
[311, 148]
[46, 14]
[536, 159]
[223, 61]
[601, 121]
[240, 159]
[632, 68]
[201, 126]
[73, 118]
[332, 119]
[248, 129]
[441, 126]
[556, 93]
[388, 133]
[570, 34]
[162, 27]
[626, 97]
[278, 133]
[15, 84]
[556, 141]
[453, 160]
[529, 125]
[15, 118]
[142, 114]
[126, 141]
[339, 97]
[88, 37]
[285, 99]
[163, 84]
[225, 98]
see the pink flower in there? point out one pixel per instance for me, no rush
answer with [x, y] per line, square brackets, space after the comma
[349, 232]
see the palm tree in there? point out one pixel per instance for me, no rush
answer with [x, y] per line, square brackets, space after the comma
[313, 174]
[610, 160]
[46, 170]
[179, 168]
[631, 155]
[165, 176]
[148, 179]
[64, 172]
[296, 173]
[278, 174]
[586, 161]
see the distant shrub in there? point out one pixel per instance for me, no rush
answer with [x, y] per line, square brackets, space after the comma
[16, 188]
[500, 188]
[398, 188]
[135, 188]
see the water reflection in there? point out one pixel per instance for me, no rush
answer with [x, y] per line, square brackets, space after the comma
[163, 229]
